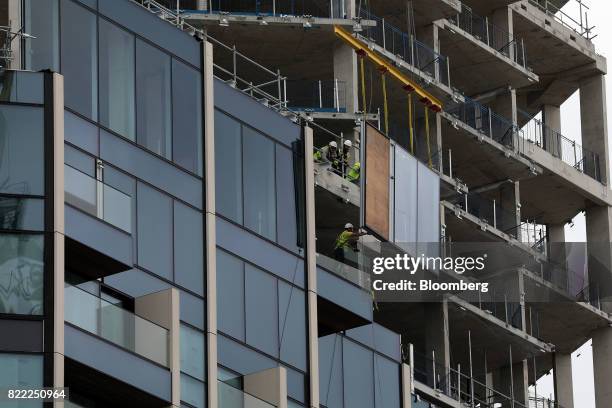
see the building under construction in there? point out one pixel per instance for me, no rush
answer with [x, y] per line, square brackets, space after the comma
[170, 202]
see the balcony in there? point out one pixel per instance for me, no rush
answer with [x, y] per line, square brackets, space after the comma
[471, 40]
[116, 325]
[491, 150]
[98, 225]
[109, 348]
[409, 53]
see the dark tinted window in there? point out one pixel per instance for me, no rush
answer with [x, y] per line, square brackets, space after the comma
[228, 167]
[154, 231]
[186, 117]
[153, 99]
[79, 59]
[188, 248]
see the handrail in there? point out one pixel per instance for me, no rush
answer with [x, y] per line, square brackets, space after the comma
[493, 36]
[407, 47]
[580, 27]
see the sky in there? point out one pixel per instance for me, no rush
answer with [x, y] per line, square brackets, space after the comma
[582, 359]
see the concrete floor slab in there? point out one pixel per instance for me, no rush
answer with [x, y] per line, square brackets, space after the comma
[468, 55]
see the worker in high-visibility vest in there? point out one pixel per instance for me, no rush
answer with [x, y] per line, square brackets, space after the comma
[345, 156]
[347, 239]
[329, 154]
[354, 173]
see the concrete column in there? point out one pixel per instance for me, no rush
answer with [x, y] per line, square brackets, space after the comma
[599, 238]
[551, 117]
[210, 224]
[58, 231]
[512, 381]
[594, 123]
[161, 308]
[345, 71]
[407, 385]
[509, 217]
[562, 371]
[602, 369]
[268, 385]
[502, 18]
[311, 271]
[202, 5]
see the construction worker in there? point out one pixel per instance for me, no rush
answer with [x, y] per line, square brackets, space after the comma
[354, 173]
[345, 156]
[346, 240]
[328, 153]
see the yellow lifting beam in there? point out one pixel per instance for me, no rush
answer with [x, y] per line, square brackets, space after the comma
[362, 49]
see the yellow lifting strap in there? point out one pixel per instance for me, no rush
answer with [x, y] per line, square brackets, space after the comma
[427, 135]
[385, 104]
[363, 84]
[410, 123]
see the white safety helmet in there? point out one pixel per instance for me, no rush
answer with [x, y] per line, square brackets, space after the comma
[348, 143]
[333, 144]
[348, 225]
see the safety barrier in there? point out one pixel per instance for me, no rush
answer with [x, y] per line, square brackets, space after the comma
[579, 25]
[567, 150]
[405, 46]
[493, 36]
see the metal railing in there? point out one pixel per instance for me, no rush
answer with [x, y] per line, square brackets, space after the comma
[498, 303]
[580, 26]
[567, 150]
[317, 96]
[489, 211]
[486, 122]
[408, 48]
[345, 271]
[536, 401]
[301, 8]
[493, 36]
[455, 384]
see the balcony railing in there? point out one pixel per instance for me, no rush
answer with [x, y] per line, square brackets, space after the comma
[489, 211]
[324, 9]
[345, 271]
[580, 24]
[231, 397]
[317, 96]
[495, 37]
[98, 199]
[116, 325]
[405, 46]
[485, 121]
[567, 150]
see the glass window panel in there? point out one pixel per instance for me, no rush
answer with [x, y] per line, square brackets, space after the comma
[21, 86]
[405, 194]
[292, 325]
[192, 310]
[193, 391]
[79, 62]
[259, 184]
[286, 195]
[21, 150]
[42, 21]
[230, 297]
[358, 375]
[186, 117]
[21, 274]
[387, 383]
[21, 214]
[21, 371]
[188, 248]
[116, 79]
[154, 231]
[80, 190]
[296, 385]
[79, 160]
[330, 371]
[153, 99]
[228, 167]
[428, 232]
[81, 133]
[192, 352]
[261, 301]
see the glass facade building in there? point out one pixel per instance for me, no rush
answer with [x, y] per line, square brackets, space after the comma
[171, 233]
